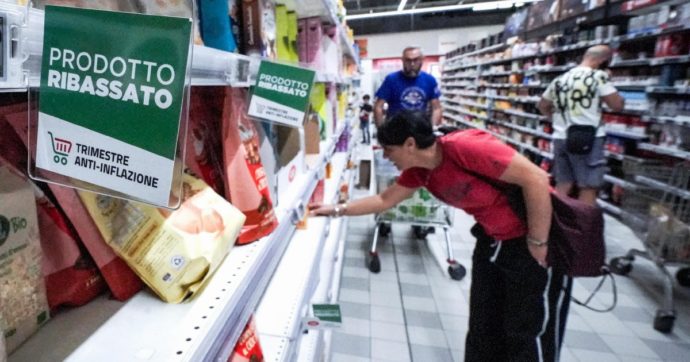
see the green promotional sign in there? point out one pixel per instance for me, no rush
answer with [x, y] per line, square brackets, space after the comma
[281, 93]
[111, 96]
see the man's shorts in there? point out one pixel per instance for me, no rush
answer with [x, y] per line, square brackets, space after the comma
[586, 171]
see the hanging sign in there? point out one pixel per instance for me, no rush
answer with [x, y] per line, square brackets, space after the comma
[111, 96]
[281, 93]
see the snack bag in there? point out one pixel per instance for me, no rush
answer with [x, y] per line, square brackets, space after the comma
[204, 145]
[248, 348]
[71, 276]
[121, 280]
[174, 252]
[23, 304]
[246, 183]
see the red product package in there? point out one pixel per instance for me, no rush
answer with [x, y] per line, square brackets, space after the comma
[248, 348]
[121, 280]
[204, 145]
[72, 278]
[246, 183]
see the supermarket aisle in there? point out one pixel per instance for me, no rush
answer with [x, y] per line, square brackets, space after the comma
[412, 311]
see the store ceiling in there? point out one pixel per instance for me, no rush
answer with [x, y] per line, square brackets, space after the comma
[424, 21]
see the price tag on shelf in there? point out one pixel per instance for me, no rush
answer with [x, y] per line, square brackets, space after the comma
[325, 316]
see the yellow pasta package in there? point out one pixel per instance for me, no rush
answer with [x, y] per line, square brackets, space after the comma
[173, 251]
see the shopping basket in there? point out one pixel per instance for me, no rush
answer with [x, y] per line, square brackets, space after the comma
[660, 214]
[423, 211]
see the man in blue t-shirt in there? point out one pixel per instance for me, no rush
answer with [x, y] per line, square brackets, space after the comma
[411, 88]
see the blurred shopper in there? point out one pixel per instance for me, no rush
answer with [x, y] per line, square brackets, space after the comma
[365, 111]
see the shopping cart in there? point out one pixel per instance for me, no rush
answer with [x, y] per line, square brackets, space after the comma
[659, 213]
[61, 149]
[422, 211]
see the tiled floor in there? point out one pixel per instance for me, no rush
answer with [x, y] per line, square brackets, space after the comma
[412, 310]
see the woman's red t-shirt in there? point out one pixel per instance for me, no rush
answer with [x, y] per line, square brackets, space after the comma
[485, 155]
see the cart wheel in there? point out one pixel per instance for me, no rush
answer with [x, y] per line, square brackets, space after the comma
[420, 232]
[663, 322]
[457, 271]
[374, 263]
[384, 230]
[620, 265]
[683, 277]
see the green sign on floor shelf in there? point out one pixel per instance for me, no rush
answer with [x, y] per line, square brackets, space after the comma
[325, 316]
[111, 97]
[281, 93]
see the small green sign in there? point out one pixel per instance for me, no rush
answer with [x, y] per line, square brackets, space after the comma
[281, 93]
[328, 313]
[111, 97]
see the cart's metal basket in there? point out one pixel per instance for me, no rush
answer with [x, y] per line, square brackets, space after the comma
[422, 208]
[668, 233]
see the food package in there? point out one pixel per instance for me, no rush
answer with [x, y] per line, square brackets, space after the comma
[235, 15]
[215, 25]
[248, 348]
[71, 276]
[259, 28]
[174, 252]
[246, 182]
[121, 280]
[204, 145]
[23, 304]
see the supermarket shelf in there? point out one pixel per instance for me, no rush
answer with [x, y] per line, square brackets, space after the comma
[328, 12]
[465, 103]
[534, 99]
[502, 137]
[522, 114]
[664, 150]
[468, 113]
[648, 34]
[523, 129]
[492, 48]
[668, 90]
[204, 328]
[287, 297]
[629, 135]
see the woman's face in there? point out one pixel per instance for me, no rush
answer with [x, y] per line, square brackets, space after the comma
[396, 154]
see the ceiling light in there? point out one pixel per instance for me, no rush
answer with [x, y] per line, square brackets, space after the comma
[402, 5]
[476, 7]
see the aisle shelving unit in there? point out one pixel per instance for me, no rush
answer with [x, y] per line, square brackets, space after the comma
[474, 82]
[208, 326]
[280, 314]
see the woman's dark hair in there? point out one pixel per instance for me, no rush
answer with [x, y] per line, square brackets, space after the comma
[396, 129]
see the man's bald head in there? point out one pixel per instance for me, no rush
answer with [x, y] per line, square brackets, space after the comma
[596, 55]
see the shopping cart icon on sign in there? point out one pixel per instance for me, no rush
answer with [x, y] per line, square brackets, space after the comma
[61, 148]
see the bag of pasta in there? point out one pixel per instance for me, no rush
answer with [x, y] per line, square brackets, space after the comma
[173, 251]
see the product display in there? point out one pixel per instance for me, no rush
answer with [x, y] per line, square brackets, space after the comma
[174, 252]
[248, 348]
[123, 283]
[246, 181]
[22, 288]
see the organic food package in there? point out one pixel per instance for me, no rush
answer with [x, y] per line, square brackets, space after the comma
[71, 277]
[204, 145]
[246, 182]
[248, 348]
[121, 280]
[23, 304]
[174, 252]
